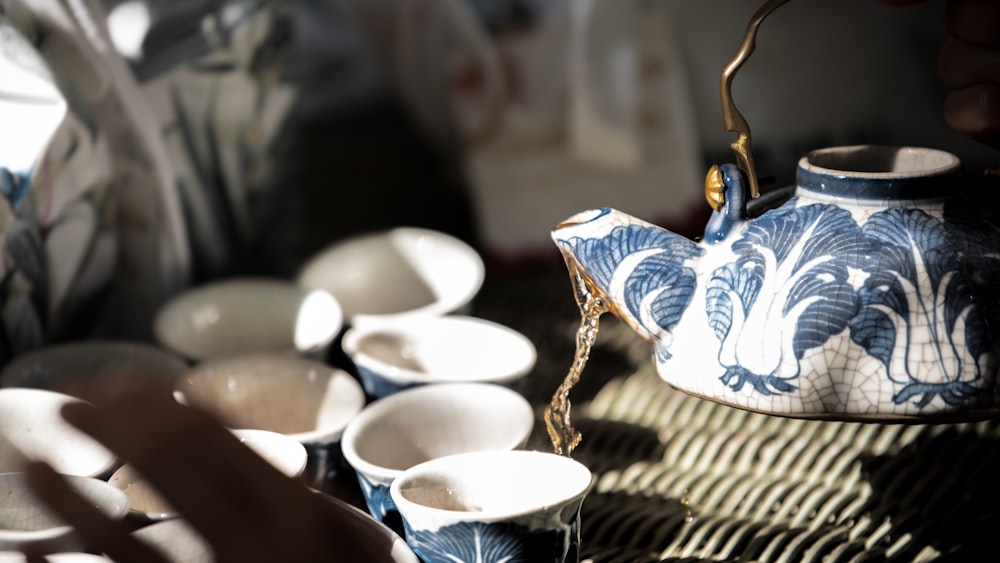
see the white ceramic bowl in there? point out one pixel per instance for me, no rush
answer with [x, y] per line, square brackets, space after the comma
[146, 504]
[30, 424]
[24, 519]
[301, 398]
[248, 315]
[450, 348]
[304, 399]
[393, 434]
[404, 271]
[77, 368]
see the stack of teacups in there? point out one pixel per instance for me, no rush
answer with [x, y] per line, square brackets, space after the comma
[397, 432]
[443, 414]
[258, 347]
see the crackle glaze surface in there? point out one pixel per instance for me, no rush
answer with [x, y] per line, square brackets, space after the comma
[864, 295]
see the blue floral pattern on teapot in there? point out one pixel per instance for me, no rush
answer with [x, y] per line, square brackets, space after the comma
[865, 294]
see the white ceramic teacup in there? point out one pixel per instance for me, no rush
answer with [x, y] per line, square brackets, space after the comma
[395, 433]
[80, 368]
[248, 315]
[493, 506]
[26, 520]
[31, 425]
[304, 399]
[384, 276]
[435, 349]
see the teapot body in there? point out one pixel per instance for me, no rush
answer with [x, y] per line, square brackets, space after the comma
[869, 294]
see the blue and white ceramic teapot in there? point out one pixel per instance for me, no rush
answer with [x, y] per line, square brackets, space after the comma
[871, 293]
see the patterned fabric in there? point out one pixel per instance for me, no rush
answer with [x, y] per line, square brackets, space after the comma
[156, 176]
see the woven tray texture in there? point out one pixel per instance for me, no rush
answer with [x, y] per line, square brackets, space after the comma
[684, 479]
[680, 479]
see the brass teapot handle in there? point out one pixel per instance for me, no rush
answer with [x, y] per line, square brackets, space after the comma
[733, 119]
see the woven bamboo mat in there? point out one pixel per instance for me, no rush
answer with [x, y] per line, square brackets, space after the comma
[684, 479]
[680, 478]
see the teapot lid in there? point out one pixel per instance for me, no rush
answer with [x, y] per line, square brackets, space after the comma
[878, 172]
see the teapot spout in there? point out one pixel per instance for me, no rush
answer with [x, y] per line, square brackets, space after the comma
[640, 272]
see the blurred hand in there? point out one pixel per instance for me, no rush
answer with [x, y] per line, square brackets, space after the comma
[969, 65]
[247, 510]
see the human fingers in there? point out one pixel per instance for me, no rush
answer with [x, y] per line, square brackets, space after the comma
[975, 111]
[96, 529]
[246, 509]
[969, 64]
[962, 64]
[974, 21]
[196, 464]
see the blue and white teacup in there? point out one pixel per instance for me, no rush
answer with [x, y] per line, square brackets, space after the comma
[493, 507]
[391, 435]
[419, 350]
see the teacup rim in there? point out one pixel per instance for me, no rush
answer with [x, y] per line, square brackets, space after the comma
[167, 313]
[317, 435]
[400, 375]
[377, 409]
[442, 304]
[442, 514]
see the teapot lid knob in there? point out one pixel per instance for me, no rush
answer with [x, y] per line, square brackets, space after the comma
[715, 188]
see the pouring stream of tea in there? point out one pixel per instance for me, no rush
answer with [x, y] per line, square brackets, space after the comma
[557, 414]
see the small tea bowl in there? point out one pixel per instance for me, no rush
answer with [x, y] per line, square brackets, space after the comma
[493, 506]
[450, 348]
[80, 368]
[248, 315]
[405, 271]
[393, 434]
[301, 398]
[146, 505]
[25, 520]
[31, 425]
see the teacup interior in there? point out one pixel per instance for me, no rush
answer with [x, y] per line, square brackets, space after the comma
[243, 316]
[141, 496]
[450, 348]
[369, 275]
[448, 423]
[392, 349]
[21, 511]
[879, 159]
[280, 393]
[499, 482]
